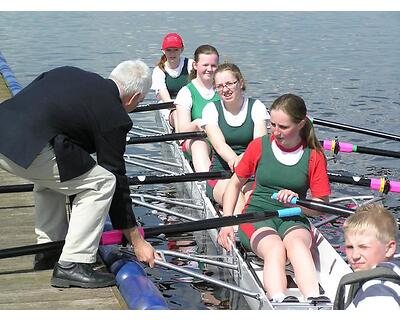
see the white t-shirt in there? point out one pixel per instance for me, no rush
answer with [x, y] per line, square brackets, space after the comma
[184, 96]
[258, 112]
[158, 76]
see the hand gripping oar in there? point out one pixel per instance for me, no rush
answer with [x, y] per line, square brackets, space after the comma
[115, 236]
[166, 137]
[319, 206]
[155, 106]
[335, 146]
[347, 127]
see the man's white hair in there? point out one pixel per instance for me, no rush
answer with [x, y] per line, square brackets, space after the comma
[132, 76]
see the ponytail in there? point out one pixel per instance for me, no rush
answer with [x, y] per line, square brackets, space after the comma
[308, 134]
[161, 63]
[296, 108]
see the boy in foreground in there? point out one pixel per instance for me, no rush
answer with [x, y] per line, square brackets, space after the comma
[370, 244]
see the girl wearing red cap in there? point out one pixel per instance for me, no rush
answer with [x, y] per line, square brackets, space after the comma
[190, 102]
[171, 72]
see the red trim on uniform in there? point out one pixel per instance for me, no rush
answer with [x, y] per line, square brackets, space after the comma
[248, 164]
[183, 145]
[248, 229]
[318, 175]
[284, 149]
[212, 183]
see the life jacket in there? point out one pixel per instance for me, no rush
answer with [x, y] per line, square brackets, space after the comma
[356, 281]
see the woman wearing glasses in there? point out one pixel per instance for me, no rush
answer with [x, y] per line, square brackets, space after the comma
[171, 72]
[231, 124]
[190, 102]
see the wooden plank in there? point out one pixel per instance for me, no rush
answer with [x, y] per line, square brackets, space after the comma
[21, 287]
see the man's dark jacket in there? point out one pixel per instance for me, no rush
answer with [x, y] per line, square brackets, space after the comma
[78, 113]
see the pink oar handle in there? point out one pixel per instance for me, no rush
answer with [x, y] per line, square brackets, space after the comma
[114, 237]
[378, 184]
[343, 146]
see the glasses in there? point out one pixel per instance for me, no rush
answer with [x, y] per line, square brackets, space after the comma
[229, 85]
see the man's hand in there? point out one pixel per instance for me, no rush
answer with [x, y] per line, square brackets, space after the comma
[144, 251]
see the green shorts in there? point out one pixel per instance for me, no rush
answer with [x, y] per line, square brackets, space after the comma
[280, 225]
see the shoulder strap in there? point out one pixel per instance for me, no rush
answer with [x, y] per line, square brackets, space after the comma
[184, 68]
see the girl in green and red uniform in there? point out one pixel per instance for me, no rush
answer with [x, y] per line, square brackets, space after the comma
[190, 102]
[289, 162]
[231, 124]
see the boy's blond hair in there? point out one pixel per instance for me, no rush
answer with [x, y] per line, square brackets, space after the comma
[373, 217]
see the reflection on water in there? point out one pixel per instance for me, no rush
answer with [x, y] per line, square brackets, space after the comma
[344, 65]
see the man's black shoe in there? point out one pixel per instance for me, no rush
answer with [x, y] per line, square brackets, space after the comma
[46, 260]
[81, 275]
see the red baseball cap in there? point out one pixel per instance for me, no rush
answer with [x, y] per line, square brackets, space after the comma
[172, 40]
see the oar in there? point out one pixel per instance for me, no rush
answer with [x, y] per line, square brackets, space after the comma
[183, 177]
[336, 146]
[330, 145]
[140, 180]
[381, 185]
[166, 137]
[155, 106]
[347, 127]
[115, 236]
[319, 206]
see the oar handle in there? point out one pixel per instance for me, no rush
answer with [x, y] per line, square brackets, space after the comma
[319, 206]
[289, 212]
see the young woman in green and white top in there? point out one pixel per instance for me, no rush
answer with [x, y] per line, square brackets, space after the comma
[190, 102]
[231, 124]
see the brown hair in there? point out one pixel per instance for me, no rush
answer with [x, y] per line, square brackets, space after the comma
[373, 217]
[296, 108]
[203, 49]
[227, 66]
[161, 63]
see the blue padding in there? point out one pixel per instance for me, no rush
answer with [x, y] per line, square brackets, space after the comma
[9, 77]
[138, 291]
[289, 212]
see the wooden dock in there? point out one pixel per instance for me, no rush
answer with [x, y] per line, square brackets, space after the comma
[21, 287]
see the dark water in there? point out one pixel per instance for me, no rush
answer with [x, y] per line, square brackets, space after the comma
[344, 64]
